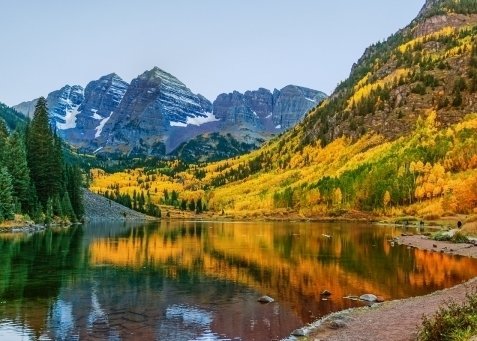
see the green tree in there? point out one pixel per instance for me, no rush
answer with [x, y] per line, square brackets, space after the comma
[6, 198]
[192, 205]
[67, 208]
[16, 163]
[3, 139]
[74, 186]
[40, 153]
[184, 204]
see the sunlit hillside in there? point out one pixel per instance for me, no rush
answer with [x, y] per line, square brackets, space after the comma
[398, 137]
[429, 173]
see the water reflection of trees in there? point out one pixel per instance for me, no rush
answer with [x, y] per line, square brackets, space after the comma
[119, 278]
[32, 271]
[294, 262]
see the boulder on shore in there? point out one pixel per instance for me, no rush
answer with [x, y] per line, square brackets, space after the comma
[266, 299]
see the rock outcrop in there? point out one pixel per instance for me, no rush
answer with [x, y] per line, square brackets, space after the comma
[267, 111]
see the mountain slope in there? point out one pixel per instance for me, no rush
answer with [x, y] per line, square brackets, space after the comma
[422, 66]
[12, 118]
[399, 136]
[247, 120]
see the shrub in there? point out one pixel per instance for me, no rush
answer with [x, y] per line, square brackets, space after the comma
[451, 322]
[458, 237]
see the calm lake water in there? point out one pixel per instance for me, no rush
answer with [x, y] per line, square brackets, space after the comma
[201, 280]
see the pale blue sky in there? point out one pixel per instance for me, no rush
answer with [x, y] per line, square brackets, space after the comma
[213, 46]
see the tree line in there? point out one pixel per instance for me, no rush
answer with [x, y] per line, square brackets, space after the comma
[34, 178]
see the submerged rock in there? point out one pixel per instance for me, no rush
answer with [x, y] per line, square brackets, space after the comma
[368, 298]
[266, 299]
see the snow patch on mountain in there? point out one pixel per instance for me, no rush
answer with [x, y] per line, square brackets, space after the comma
[69, 120]
[99, 128]
[199, 120]
[177, 124]
[95, 115]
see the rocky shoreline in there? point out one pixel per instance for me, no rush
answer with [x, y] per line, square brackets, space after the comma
[99, 208]
[393, 320]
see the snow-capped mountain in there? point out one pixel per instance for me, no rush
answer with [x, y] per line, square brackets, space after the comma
[157, 113]
[154, 102]
[101, 99]
[63, 105]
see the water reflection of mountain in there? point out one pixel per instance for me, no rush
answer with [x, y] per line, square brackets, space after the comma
[184, 280]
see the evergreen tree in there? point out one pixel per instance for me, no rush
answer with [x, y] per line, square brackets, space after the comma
[49, 211]
[192, 205]
[40, 153]
[3, 140]
[74, 185]
[141, 202]
[56, 205]
[6, 199]
[16, 163]
[67, 208]
[198, 206]
[184, 204]
[58, 165]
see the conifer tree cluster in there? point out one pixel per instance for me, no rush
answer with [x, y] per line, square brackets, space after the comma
[34, 179]
[137, 202]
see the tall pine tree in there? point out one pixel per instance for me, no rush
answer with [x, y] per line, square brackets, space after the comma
[74, 185]
[41, 154]
[16, 163]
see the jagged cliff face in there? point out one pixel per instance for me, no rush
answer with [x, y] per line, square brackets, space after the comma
[271, 112]
[157, 113]
[101, 100]
[152, 104]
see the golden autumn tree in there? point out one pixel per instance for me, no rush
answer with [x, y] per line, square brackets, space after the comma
[386, 199]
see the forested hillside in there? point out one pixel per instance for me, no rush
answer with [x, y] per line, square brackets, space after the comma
[34, 179]
[399, 136]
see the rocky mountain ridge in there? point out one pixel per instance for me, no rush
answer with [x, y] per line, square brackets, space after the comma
[156, 113]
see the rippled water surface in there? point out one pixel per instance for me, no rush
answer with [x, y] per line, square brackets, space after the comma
[201, 280]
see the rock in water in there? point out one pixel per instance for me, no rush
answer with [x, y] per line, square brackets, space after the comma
[368, 298]
[299, 332]
[266, 299]
[325, 293]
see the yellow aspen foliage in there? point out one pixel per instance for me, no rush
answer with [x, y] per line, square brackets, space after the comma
[314, 197]
[386, 199]
[337, 197]
[401, 171]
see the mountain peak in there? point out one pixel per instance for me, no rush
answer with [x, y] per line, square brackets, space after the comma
[437, 7]
[111, 76]
[429, 6]
[157, 72]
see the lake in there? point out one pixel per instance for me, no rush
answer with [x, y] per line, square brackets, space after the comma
[201, 280]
